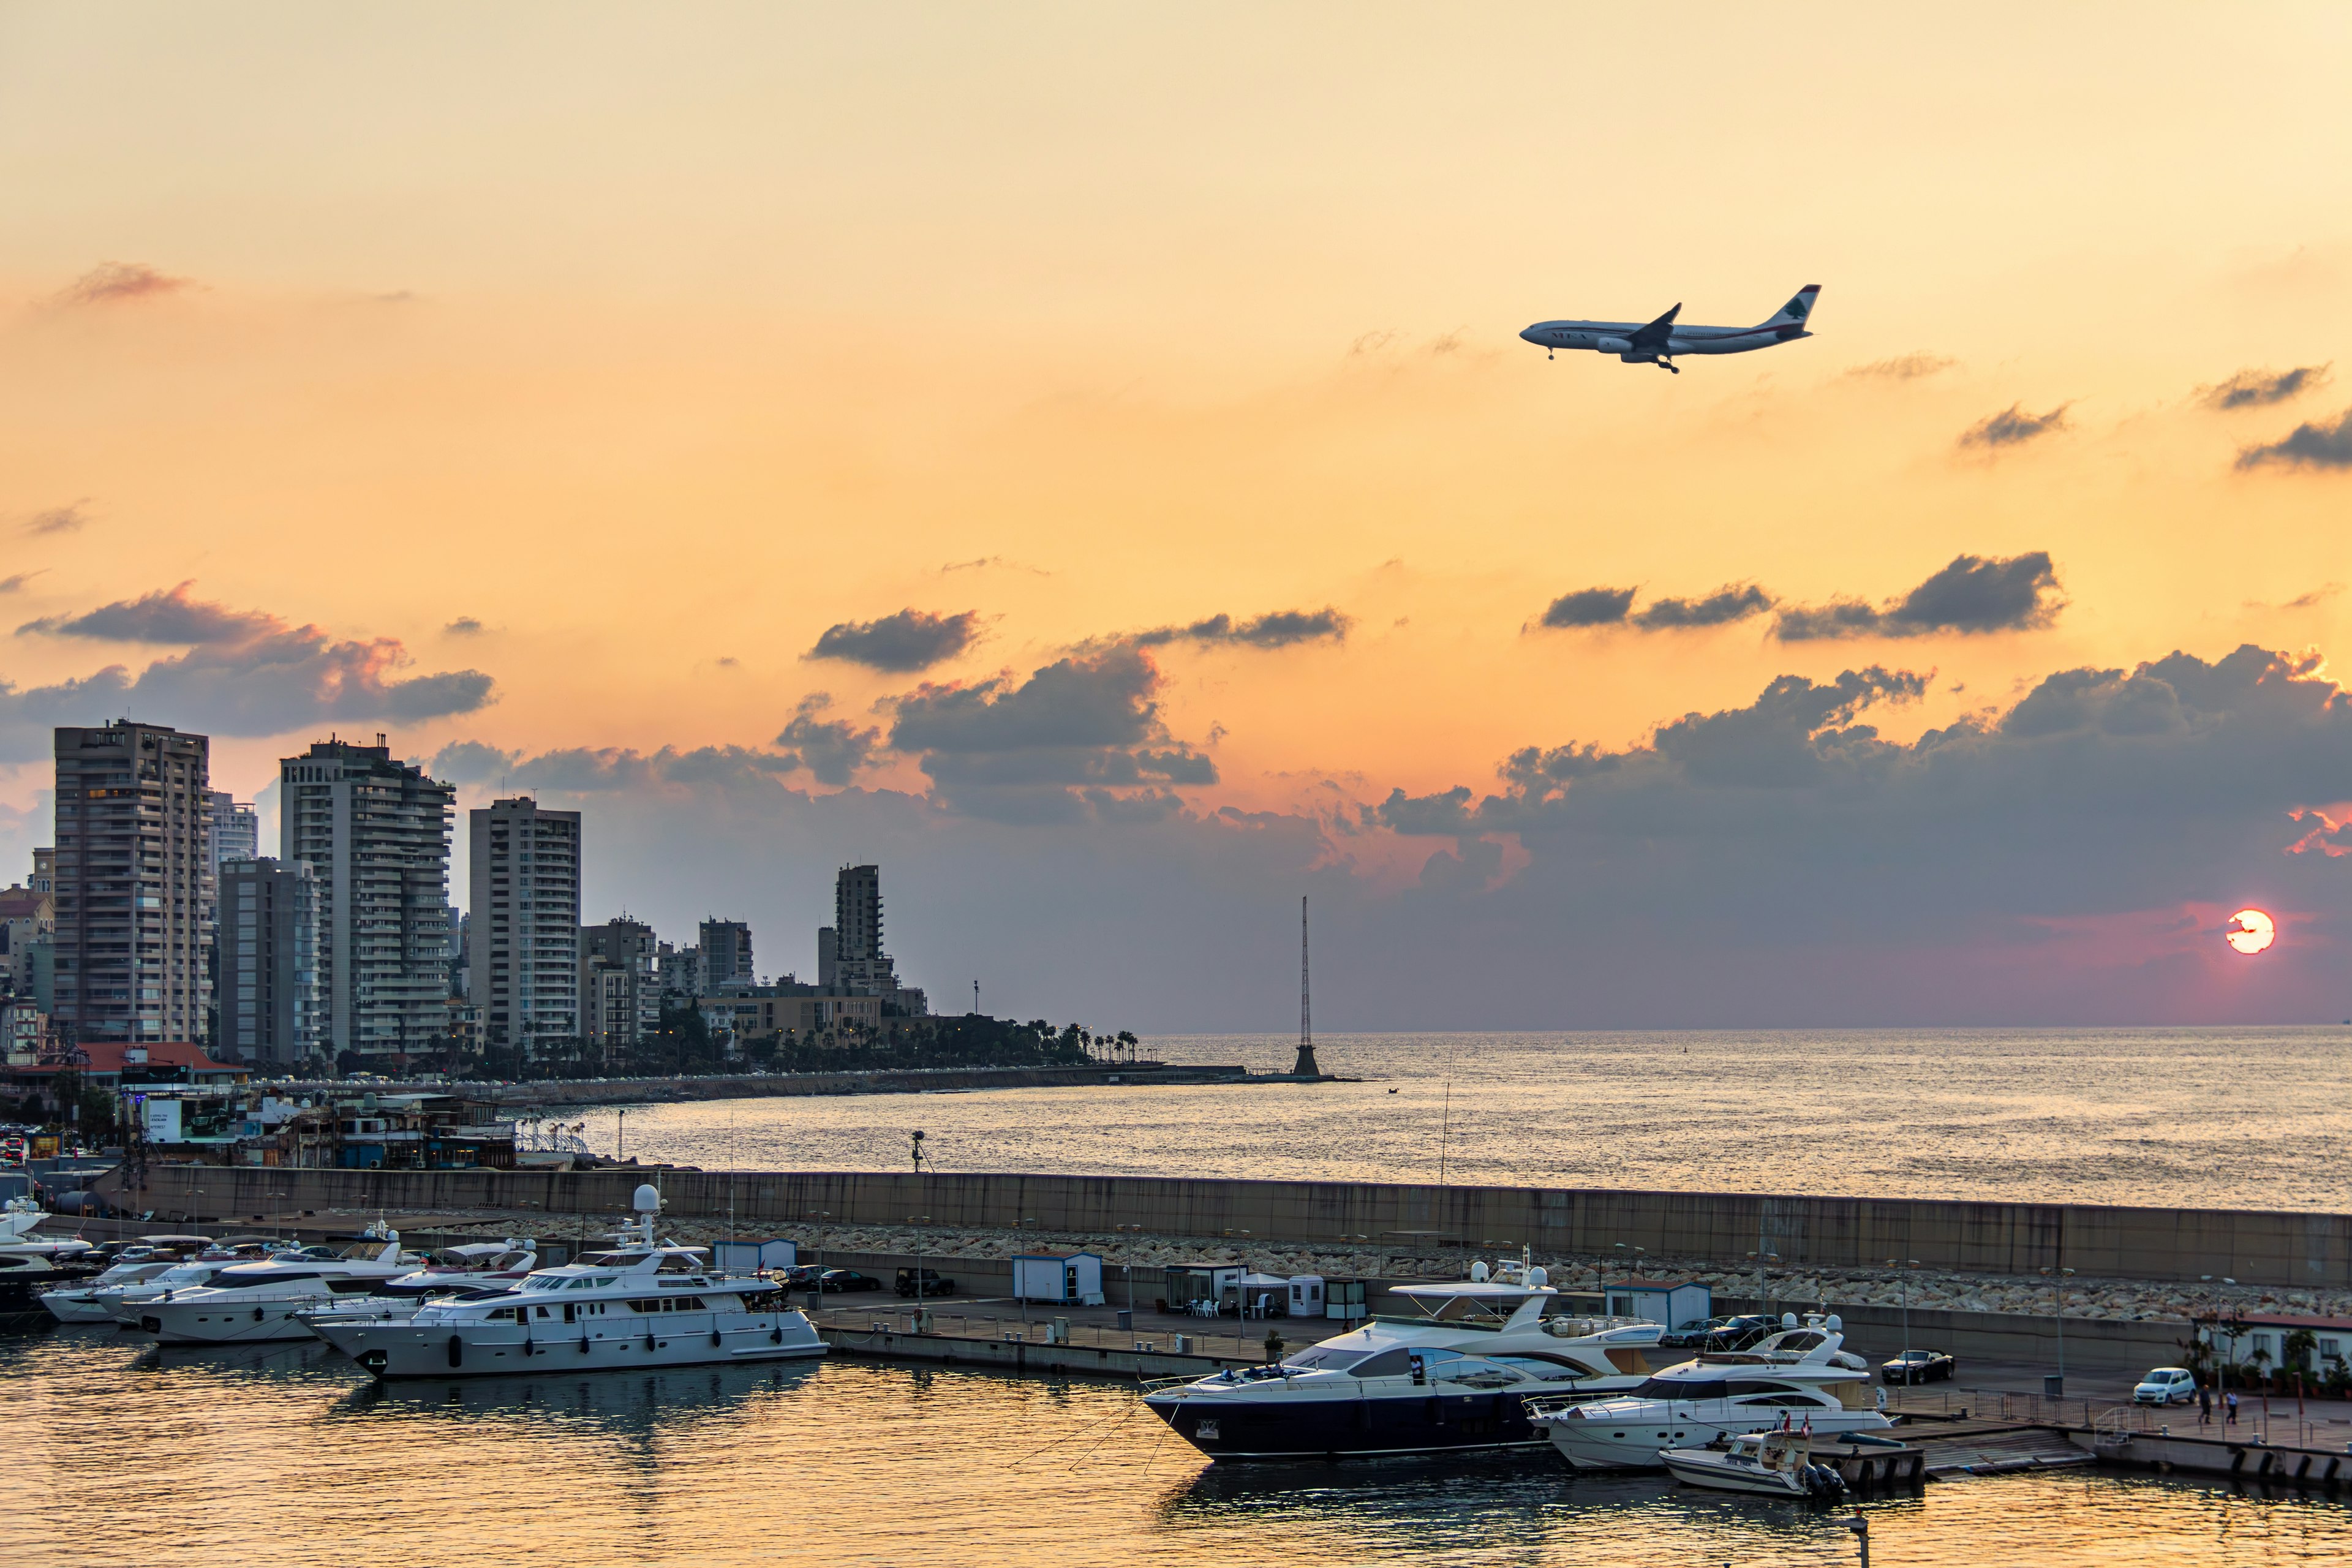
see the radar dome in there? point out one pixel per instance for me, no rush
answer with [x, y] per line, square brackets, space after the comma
[1538, 1276]
[1478, 1272]
[647, 1200]
[1835, 1324]
[1787, 1320]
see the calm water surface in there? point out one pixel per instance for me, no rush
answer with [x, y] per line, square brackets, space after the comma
[289, 1457]
[2202, 1118]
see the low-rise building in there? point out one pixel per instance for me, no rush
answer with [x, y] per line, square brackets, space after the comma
[792, 1009]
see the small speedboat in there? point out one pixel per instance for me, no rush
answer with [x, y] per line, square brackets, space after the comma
[1767, 1463]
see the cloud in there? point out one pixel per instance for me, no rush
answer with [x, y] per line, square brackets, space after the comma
[165, 615]
[11, 585]
[1077, 737]
[1733, 602]
[113, 282]
[68, 518]
[832, 750]
[471, 761]
[1973, 593]
[246, 672]
[463, 626]
[1589, 608]
[2013, 427]
[1903, 367]
[2260, 388]
[2308, 446]
[1001, 563]
[901, 643]
[1276, 629]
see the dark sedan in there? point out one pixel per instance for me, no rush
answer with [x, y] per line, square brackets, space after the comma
[1919, 1366]
[1739, 1333]
[846, 1281]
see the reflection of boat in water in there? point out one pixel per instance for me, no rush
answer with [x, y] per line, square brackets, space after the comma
[1456, 1376]
[617, 1399]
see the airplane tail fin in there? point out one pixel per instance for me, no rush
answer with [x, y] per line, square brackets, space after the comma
[1798, 311]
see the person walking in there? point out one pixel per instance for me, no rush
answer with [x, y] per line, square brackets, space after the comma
[2230, 1403]
[2204, 1403]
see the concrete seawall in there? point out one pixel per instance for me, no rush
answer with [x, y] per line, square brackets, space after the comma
[2254, 1246]
[548, 1093]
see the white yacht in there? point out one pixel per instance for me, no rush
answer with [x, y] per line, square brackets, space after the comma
[1778, 1463]
[28, 1272]
[1801, 1374]
[244, 1302]
[462, 1273]
[92, 1300]
[1453, 1373]
[17, 1218]
[643, 1303]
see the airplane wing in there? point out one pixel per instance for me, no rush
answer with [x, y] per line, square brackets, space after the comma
[1654, 335]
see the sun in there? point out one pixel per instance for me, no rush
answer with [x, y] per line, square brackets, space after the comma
[2251, 930]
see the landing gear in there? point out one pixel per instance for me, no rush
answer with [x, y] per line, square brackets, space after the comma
[1548, 354]
[1667, 364]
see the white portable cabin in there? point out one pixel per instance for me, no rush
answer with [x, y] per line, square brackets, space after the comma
[1305, 1296]
[1074, 1280]
[1676, 1304]
[753, 1257]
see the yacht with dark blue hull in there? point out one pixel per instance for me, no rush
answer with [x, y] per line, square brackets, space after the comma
[1451, 1375]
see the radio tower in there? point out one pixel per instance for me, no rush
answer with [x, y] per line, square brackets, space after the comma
[1305, 1066]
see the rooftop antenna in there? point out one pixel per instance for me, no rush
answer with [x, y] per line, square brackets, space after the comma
[1305, 1066]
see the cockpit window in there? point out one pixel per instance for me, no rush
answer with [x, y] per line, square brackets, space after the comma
[1322, 1358]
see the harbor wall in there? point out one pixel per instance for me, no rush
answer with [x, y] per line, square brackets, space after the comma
[549, 1094]
[2254, 1246]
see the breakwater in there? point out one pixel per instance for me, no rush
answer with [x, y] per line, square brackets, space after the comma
[1726, 1229]
[550, 1093]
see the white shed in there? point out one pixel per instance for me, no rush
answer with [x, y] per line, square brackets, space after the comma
[1306, 1295]
[1676, 1303]
[1072, 1281]
[750, 1256]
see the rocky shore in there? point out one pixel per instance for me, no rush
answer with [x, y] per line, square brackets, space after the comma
[1927, 1289]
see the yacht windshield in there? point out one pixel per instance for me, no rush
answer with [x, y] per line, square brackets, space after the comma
[1322, 1358]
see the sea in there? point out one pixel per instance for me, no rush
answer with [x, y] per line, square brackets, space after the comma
[2186, 1118]
[122, 1456]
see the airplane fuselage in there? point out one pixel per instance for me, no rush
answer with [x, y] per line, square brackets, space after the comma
[1617, 338]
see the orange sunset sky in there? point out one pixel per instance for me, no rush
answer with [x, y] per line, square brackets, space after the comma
[618, 352]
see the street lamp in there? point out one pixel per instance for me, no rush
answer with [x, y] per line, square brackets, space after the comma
[816, 1293]
[1760, 1259]
[1903, 1266]
[2058, 1278]
[918, 1221]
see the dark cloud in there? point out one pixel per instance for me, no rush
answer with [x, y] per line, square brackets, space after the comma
[901, 643]
[1974, 593]
[69, 518]
[245, 673]
[114, 282]
[1903, 367]
[1589, 608]
[832, 750]
[471, 761]
[1733, 602]
[10, 584]
[2307, 446]
[1043, 749]
[2013, 427]
[2260, 388]
[463, 626]
[165, 615]
[1276, 629]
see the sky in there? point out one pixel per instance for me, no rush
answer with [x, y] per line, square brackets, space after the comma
[1082, 459]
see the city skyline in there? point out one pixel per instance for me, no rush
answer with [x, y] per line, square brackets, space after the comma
[1175, 524]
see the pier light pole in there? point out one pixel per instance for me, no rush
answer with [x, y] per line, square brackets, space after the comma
[1760, 1259]
[918, 1221]
[2058, 1278]
[1903, 1266]
[816, 1293]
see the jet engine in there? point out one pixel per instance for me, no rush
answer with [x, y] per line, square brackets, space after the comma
[1614, 345]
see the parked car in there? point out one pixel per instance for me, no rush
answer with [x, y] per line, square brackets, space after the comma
[2166, 1386]
[847, 1280]
[923, 1282]
[1738, 1334]
[1692, 1336]
[800, 1276]
[1919, 1366]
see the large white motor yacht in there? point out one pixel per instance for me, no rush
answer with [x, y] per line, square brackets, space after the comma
[1801, 1374]
[644, 1303]
[244, 1302]
[1453, 1373]
[461, 1273]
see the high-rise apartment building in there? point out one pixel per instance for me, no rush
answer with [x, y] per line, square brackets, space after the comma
[236, 831]
[726, 957]
[524, 922]
[680, 969]
[268, 941]
[132, 883]
[375, 833]
[858, 960]
[620, 985]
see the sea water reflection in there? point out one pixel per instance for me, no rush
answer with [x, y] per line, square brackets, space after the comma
[291, 1457]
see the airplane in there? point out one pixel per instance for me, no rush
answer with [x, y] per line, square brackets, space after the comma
[1658, 341]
